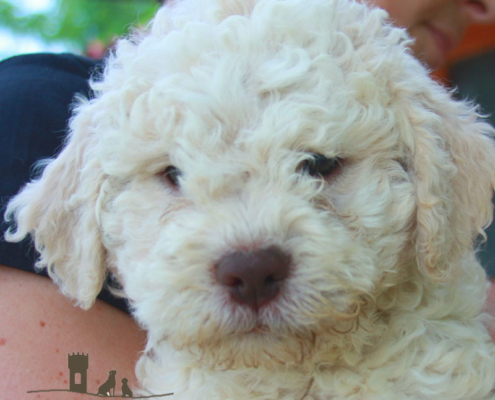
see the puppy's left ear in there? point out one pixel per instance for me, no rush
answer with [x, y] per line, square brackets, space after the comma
[59, 210]
[454, 174]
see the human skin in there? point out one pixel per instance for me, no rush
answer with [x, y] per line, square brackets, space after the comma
[437, 25]
[40, 326]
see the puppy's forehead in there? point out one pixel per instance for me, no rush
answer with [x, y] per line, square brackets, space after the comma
[260, 81]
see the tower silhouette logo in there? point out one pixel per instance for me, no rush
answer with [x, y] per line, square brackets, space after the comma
[78, 365]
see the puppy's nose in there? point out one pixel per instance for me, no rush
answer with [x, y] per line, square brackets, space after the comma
[254, 277]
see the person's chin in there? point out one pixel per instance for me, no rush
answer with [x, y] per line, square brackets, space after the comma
[427, 49]
[435, 60]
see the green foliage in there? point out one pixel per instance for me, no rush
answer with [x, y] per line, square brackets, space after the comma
[79, 21]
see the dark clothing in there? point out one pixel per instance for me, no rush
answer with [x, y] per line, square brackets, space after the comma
[36, 93]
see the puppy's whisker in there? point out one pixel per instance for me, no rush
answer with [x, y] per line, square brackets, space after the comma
[273, 357]
[351, 328]
[171, 211]
[324, 203]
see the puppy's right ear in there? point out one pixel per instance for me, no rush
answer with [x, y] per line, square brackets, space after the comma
[59, 211]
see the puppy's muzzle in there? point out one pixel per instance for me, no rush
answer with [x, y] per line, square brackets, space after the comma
[254, 277]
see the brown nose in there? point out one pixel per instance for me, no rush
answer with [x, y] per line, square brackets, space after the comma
[253, 277]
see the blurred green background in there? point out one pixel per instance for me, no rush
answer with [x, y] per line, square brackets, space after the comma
[75, 25]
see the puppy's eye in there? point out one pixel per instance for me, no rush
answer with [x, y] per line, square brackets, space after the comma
[319, 165]
[171, 174]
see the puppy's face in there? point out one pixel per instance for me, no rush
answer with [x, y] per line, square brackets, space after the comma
[302, 193]
[258, 190]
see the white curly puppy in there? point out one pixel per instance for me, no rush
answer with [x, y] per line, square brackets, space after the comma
[289, 202]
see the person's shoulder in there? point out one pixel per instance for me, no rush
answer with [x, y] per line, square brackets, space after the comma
[40, 62]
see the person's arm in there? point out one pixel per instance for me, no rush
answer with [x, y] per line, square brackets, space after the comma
[40, 327]
[490, 308]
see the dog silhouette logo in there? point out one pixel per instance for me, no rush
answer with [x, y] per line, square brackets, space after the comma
[78, 365]
[126, 392]
[109, 385]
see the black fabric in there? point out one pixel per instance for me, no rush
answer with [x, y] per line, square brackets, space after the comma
[36, 93]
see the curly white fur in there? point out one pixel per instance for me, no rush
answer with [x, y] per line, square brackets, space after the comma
[384, 299]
